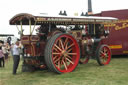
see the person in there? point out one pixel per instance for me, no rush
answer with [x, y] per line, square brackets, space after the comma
[6, 49]
[1, 57]
[11, 49]
[16, 56]
[1, 42]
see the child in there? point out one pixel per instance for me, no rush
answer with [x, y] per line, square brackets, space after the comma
[1, 57]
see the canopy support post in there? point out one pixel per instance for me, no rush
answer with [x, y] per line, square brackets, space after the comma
[30, 26]
[17, 27]
[33, 27]
[94, 27]
[21, 27]
[49, 27]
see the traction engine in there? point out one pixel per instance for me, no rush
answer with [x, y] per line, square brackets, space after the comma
[61, 43]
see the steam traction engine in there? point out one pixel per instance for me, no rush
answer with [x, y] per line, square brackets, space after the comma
[61, 42]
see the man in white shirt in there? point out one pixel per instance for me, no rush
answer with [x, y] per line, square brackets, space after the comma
[16, 56]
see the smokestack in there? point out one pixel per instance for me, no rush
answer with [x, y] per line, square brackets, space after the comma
[64, 13]
[89, 7]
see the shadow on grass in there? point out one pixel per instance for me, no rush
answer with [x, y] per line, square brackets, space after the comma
[120, 56]
[48, 74]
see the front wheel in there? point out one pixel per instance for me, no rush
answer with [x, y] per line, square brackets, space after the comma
[62, 53]
[103, 55]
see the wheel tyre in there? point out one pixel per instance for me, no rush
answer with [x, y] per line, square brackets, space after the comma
[49, 56]
[103, 55]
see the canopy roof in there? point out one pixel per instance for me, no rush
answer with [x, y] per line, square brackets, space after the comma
[41, 19]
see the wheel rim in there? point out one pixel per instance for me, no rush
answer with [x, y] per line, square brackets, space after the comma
[105, 55]
[84, 60]
[65, 53]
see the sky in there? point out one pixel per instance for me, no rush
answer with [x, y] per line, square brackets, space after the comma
[9, 8]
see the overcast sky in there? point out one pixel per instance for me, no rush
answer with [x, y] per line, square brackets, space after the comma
[9, 8]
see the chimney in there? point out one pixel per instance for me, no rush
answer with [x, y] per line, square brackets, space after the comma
[64, 13]
[89, 7]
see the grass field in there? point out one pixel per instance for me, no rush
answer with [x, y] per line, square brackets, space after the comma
[116, 73]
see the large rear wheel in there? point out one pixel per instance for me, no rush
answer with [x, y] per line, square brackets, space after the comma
[103, 55]
[62, 53]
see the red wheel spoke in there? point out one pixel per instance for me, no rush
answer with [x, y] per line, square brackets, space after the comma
[69, 57]
[103, 60]
[55, 49]
[58, 47]
[56, 53]
[66, 46]
[69, 60]
[55, 57]
[107, 54]
[65, 43]
[64, 64]
[59, 65]
[61, 44]
[102, 57]
[72, 53]
[105, 50]
[106, 58]
[70, 46]
[102, 53]
[69, 50]
[57, 60]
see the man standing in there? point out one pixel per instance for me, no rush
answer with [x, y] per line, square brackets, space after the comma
[16, 56]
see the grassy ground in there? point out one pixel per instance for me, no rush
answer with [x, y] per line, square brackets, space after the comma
[116, 73]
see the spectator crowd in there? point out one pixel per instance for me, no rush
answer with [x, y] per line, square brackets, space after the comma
[5, 49]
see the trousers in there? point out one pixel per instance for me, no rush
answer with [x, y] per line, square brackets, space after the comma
[16, 60]
[2, 61]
